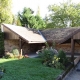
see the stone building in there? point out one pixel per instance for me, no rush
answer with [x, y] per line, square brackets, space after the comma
[26, 40]
[29, 40]
[63, 38]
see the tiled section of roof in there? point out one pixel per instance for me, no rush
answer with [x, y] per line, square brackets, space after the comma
[30, 35]
[60, 35]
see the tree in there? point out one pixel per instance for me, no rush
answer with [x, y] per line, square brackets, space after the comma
[5, 11]
[28, 19]
[64, 15]
[40, 23]
[38, 11]
[24, 16]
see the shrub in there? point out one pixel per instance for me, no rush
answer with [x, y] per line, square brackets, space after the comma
[15, 52]
[2, 68]
[55, 60]
[63, 59]
[1, 43]
[50, 57]
[55, 63]
[8, 55]
[46, 54]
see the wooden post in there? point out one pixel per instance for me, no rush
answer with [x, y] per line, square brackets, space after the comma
[20, 43]
[21, 52]
[72, 49]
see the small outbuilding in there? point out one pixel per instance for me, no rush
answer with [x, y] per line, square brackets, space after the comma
[67, 39]
[26, 40]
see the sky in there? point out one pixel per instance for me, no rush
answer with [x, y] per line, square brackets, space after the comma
[18, 5]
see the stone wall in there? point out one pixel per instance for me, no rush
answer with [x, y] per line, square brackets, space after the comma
[32, 48]
[9, 45]
[67, 47]
[27, 48]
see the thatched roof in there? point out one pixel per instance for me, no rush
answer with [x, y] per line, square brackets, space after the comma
[60, 35]
[29, 35]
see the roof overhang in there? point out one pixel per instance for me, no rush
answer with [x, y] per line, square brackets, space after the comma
[28, 35]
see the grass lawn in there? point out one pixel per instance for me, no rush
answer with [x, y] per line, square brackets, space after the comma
[27, 69]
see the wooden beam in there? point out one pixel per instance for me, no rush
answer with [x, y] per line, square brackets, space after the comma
[77, 42]
[76, 60]
[20, 44]
[72, 49]
[23, 43]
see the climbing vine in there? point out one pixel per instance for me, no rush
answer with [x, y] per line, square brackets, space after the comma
[1, 43]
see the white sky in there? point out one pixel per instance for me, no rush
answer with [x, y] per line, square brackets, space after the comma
[18, 5]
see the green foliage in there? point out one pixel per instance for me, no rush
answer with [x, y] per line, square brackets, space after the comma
[8, 55]
[28, 69]
[40, 24]
[63, 59]
[2, 70]
[1, 44]
[46, 54]
[26, 18]
[52, 58]
[66, 14]
[5, 11]
[18, 22]
[15, 52]
[55, 61]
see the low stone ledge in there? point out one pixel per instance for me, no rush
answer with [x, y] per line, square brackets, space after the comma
[63, 74]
